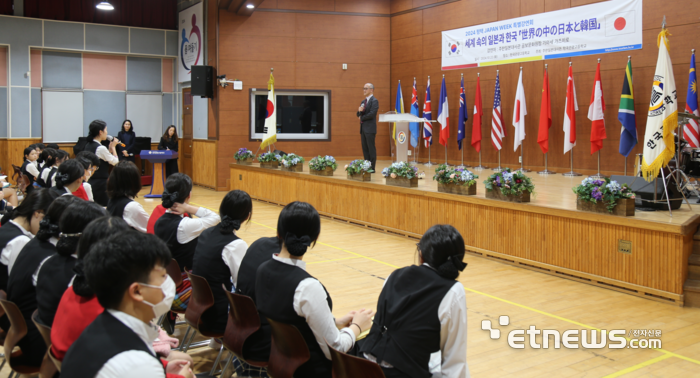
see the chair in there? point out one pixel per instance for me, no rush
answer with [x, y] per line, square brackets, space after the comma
[201, 300]
[288, 350]
[18, 329]
[347, 366]
[51, 364]
[243, 321]
[173, 270]
[22, 181]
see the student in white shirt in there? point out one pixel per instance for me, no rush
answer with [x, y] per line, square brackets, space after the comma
[91, 162]
[108, 156]
[48, 155]
[123, 186]
[69, 177]
[286, 293]
[422, 313]
[29, 167]
[127, 273]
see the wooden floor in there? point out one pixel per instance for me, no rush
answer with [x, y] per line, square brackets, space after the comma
[352, 263]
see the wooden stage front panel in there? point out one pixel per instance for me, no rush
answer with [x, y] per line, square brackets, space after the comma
[548, 234]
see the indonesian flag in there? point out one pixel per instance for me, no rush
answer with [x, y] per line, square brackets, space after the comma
[270, 130]
[444, 115]
[570, 107]
[595, 114]
[519, 113]
[545, 116]
[476, 120]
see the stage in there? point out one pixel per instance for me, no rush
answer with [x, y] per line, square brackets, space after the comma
[547, 235]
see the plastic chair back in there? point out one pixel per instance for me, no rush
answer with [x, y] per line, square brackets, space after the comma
[243, 321]
[288, 351]
[347, 366]
[18, 329]
[201, 300]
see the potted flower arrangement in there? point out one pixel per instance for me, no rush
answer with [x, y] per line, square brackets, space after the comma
[269, 160]
[455, 180]
[360, 170]
[509, 186]
[604, 196]
[322, 165]
[292, 163]
[244, 156]
[401, 174]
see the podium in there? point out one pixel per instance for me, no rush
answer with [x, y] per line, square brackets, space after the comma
[402, 132]
[158, 158]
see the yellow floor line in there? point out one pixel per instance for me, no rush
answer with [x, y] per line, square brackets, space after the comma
[638, 366]
[665, 352]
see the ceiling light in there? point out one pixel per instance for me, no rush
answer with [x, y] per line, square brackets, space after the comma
[250, 6]
[105, 5]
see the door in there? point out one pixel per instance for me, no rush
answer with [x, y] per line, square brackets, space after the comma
[186, 156]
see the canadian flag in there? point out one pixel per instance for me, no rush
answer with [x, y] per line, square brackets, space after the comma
[595, 114]
[570, 113]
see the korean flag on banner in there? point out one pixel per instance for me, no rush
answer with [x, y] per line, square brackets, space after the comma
[619, 23]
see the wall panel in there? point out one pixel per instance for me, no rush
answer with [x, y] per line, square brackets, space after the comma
[204, 163]
[62, 70]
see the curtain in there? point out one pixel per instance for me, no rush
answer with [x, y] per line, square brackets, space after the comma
[158, 14]
[6, 7]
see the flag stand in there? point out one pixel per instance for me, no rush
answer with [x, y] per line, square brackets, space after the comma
[480, 167]
[599, 175]
[668, 200]
[462, 166]
[625, 166]
[499, 168]
[546, 171]
[446, 156]
[521, 161]
[428, 164]
[572, 173]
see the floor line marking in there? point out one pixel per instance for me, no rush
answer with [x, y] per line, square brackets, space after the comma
[639, 366]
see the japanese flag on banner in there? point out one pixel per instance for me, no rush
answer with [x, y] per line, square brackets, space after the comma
[663, 114]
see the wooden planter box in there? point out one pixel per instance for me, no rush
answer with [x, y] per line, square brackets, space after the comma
[295, 168]
[270, 164]
[364, 176]
[326, 172]
[247, 161]
[457, 189]
[402, 181]
[624, 207]
[496, 194]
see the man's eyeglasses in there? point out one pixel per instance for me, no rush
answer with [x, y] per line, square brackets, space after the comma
[366, 88]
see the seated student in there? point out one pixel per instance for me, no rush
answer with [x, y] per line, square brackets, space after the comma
[56, 272]
[20, 286]
[61, 156]
[90, 161]
[48, 155]
[19, 227]
[286, 293]
[69, 177]
[219, 253]
[157, 212]
[422, 310]
[181, 233]
[40, 160]
[29, 167]
[52, 145]
[123, 186]
[127, 274]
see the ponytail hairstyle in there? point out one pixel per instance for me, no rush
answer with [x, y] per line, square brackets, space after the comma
[442, 247]
[235, 208]
[49, 225]
[298, 227]
[95, 127]
[69, 172]
[72, 223]
[177, 188]
[48, 156]
[99, 229]
[38, 199]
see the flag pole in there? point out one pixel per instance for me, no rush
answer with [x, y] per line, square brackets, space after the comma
[461, 147]
[499, 168]
[598, 175]
[629, 59]
[448, 126]
[522, 144]
[668, 200]
[480, 166]
[571, 154]
[546, 171]
[429, 164]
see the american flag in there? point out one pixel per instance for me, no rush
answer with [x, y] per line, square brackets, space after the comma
[497, 130]
[427, 115]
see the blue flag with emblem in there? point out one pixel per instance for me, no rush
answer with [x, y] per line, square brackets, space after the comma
[398, 108]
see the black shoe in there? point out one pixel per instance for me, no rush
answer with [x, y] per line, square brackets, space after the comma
[169, 322]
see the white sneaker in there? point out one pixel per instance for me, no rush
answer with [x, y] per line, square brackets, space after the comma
[214, 344]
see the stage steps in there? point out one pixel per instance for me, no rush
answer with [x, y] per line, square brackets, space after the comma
[691, 288]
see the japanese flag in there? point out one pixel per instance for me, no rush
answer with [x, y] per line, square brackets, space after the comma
[619, 23]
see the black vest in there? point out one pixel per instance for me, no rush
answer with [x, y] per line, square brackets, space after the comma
[61, 191]
[103, 339]
[52, 173]
[406, 328]
[26, 173]
[257, 346]
[20, 288]
[103, 171]
[52, 282]
[208, 263]
[115, 206]
[166, 229]
[41, 181]
[275, 285]
[7, 233]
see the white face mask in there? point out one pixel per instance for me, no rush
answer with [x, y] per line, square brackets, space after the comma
[162, 307]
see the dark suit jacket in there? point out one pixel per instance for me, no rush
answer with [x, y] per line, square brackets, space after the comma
[368, 122]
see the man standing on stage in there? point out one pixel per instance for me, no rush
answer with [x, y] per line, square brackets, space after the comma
[367, 113]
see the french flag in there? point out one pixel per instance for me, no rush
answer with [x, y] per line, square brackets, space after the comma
[443, 117]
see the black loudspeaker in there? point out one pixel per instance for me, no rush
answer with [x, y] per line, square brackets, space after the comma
[280, 153]
[142, 143]
[202, 81]
[645, 192]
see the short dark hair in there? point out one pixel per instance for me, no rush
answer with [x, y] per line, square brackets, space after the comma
[124, 123]
[72, 223]
[38, 199]
[95, 127]
[53, 145]
[49, 225]
[234, 209]
[61, 155]
[88, 158]
[442, 247]
[114, 263]
[97, 230]
[68, 172]
[124, 181]
[48, 155]
[40, 146]
[178, 186]
[296, 221]
[29, 150]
